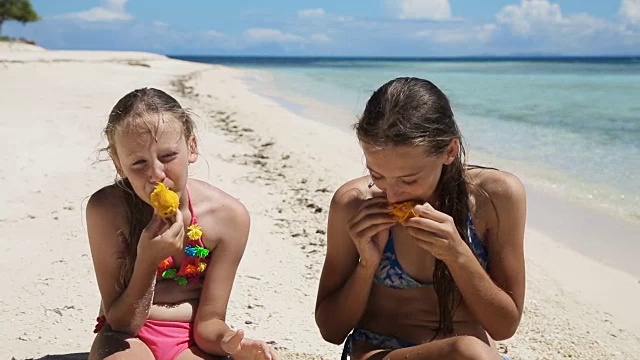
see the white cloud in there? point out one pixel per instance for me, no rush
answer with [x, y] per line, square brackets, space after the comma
[421, 9]
[214, 34]
[266, 35]
[345, 19]
[318, 12]
[160, 24]
[111, 10]
[541, 17]
[320, 38]
[630, 11]
[524, 17]
[456, 36]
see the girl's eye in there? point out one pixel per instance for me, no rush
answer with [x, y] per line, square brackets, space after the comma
[375, 177]
[169, 156]
[406, 182]
[139, 162]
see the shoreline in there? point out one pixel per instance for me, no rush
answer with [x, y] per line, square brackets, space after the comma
[285, 183]
[627, 288]
[622, 226]
[595, 196]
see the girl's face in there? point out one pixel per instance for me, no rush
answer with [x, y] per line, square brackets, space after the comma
[151, 151]
[406, 173]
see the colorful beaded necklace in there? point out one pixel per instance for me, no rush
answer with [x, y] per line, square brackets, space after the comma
[196, 255]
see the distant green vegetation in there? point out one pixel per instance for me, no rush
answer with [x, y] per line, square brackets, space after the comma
[20, 40]
[17, 10]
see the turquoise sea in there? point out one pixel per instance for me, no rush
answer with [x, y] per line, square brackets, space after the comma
[569, 124]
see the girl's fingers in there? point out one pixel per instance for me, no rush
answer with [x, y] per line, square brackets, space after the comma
[427, 211]
[372, 230]
[274, 354]
[371, 208]
[427, 236]
[154, 226]
[178, 217]
[371, 220]
[265, 351]
[175, 230]
[426, 224]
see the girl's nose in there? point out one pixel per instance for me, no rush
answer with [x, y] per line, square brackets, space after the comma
[393, 194]
[157, 173]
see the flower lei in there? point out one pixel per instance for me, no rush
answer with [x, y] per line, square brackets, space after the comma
[195, 255]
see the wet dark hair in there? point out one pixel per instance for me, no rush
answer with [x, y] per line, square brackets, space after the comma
[140, 105]
[415, 112]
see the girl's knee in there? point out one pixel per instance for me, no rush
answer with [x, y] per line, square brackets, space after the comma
[469, 348]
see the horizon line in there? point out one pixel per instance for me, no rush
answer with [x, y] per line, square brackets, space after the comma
[410, 57]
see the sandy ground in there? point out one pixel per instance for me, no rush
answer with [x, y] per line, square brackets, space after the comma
[53, 106]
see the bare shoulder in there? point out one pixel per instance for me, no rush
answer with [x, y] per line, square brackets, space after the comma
[107, 205]
[500, 201]
[107, 222]
[223, 214]
[214, 201]
[500, 186]
[109, 196]
[350, 195]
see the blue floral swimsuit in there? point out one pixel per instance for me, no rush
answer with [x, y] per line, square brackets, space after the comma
[391, 274]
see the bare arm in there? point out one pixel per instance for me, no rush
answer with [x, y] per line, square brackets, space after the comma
[210, 326]
[345, 283]
[126, 310]
[497, 300]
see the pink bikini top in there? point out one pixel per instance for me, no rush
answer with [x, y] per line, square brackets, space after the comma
[196, 259]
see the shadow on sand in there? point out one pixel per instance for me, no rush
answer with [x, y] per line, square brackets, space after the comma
[73, 356]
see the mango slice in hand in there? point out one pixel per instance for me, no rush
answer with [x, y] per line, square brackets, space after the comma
[403, 211]
[165, 201]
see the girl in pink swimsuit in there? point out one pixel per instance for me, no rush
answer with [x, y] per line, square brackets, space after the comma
[164, 283]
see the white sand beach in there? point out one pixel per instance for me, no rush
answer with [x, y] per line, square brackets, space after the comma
[53, 107]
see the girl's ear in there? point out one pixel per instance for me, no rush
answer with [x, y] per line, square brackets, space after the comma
[192, 144]
[452, 151]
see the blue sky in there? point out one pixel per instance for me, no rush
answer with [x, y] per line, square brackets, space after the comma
[339, 28]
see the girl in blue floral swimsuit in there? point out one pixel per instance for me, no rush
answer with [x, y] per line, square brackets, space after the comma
[443, 284]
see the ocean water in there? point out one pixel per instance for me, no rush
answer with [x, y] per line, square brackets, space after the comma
[571, 125]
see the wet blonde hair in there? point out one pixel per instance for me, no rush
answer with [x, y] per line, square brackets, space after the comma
[139, 105]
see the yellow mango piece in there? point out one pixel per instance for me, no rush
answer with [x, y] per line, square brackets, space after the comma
[164, 200]
[403, 211]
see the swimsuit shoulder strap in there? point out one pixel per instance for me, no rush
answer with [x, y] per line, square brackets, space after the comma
[194, 219]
